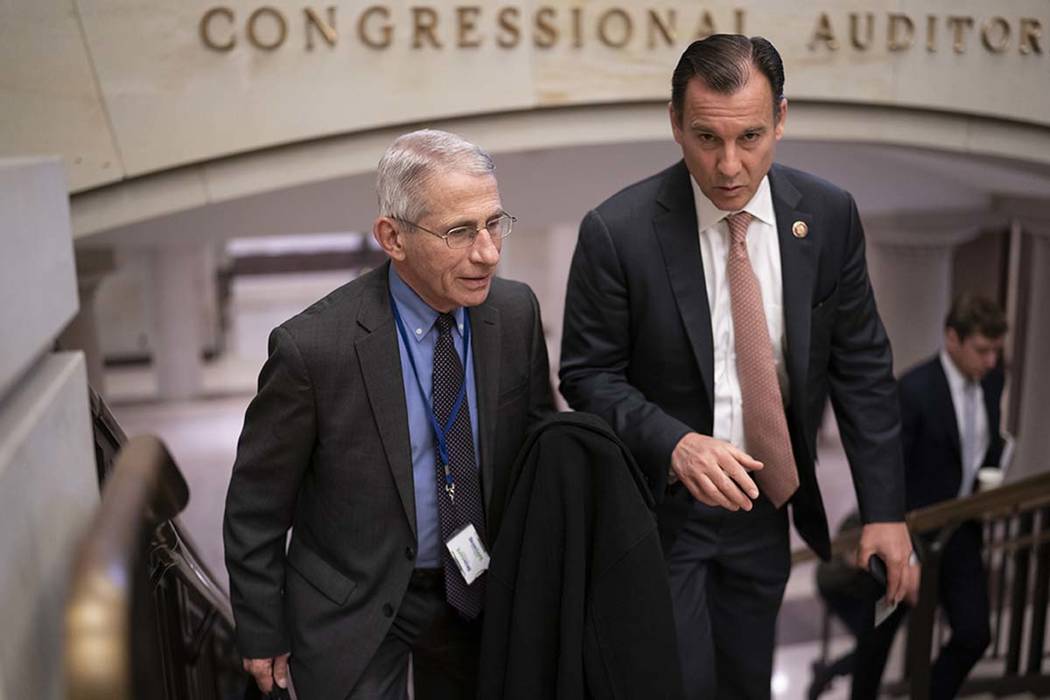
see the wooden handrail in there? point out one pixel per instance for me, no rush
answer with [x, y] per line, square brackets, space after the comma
[1024, 494]
[1020, 513]
[144, 490]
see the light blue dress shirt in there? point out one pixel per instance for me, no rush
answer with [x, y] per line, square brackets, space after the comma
[420, 320]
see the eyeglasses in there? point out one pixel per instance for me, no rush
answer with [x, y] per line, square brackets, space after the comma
[499, 227]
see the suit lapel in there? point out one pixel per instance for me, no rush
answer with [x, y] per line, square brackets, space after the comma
[485, 337]
[380, 359]
[943, 397]
[798, 263]
[991, 404]
[679, 241]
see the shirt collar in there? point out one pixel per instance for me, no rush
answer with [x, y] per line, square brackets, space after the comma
[417, 315]
[760, 206]
[956, 379]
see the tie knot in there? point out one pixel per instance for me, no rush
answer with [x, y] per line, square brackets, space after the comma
[738, 224]
[445, 322]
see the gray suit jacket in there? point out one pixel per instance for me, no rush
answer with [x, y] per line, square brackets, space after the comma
[325, 451]
[637, 347]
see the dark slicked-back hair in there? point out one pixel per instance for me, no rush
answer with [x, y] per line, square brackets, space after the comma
[724, 62]
[971, 313]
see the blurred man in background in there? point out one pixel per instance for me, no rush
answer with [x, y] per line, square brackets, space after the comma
[950, 412]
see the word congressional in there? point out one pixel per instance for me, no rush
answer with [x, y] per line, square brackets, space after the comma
[466, 26]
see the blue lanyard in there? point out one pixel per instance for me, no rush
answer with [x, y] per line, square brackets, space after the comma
[440, 431]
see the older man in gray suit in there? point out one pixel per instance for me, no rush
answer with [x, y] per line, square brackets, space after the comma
[387, 419]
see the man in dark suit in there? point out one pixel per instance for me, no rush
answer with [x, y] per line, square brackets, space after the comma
[386, 422]
[950, 405]
[710, 310]
[950, 412]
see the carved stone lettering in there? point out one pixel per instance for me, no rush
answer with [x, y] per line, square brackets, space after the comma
[207, 28]
[615, 28]
[664, 25]
[510, 28]
[272, 37]
[901, 32]
[995, 34]
[315, 24]
[823, 34]
[366, 28]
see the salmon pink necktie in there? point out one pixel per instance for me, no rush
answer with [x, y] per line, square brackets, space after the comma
[765, 423]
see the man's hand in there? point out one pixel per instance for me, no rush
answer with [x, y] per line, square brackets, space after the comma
[891, 542]
[268, 671]
[912, 581]
[715, 472]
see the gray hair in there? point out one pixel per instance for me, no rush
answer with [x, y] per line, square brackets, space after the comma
[413, 160]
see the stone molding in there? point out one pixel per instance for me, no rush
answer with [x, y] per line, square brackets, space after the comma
[1032, 214]
[930, 229]
[226, 179]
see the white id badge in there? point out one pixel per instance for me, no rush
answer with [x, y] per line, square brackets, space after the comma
[468, 551]
[883, 610]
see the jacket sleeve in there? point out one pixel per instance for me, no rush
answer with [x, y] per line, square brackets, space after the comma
[863, 390]
[272, 455]
[596, 354]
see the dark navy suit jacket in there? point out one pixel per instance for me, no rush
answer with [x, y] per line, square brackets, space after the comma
[637, 346]
[930, 434]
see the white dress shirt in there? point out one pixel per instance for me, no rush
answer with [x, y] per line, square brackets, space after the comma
[973, 447]
[763, 248]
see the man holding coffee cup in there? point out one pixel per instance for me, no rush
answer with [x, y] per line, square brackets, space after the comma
[950, 432]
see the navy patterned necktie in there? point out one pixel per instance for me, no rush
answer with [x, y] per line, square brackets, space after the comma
[464, 505]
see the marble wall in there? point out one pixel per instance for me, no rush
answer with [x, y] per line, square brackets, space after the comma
[48, 483]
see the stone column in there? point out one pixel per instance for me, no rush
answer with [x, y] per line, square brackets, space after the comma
[910, 264]
[561, 242]
[48, 481]
[178, 303]
[1032, 454]
[541, 259]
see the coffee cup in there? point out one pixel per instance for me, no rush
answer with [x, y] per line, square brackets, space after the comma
[989, 478]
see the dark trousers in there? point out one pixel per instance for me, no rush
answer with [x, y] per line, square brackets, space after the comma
[444, 648]
[857, 613]
[963, 592]
[727, 572]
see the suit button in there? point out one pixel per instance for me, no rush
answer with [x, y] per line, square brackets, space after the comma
[388, 610]
[410, 553]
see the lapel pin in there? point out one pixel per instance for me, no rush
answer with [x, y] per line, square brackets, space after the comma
[799, 229]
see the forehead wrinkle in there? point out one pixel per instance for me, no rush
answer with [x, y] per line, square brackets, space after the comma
[469, 222]
[751, 96]
[741, 125]
[460, 219]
